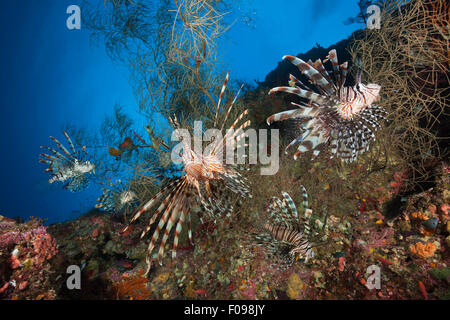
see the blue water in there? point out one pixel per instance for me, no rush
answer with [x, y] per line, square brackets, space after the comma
[51, 76]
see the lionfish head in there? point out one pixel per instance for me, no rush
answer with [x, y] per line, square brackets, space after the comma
[300, 253]
[85, 167]
[310, 253]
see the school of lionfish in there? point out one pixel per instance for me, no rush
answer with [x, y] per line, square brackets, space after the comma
[332, 115]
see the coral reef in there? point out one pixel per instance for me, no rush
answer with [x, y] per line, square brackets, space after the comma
[389, 211]
[413, 264]
[26, 252]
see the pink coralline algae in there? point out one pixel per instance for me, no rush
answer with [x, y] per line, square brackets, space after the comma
[4, 287]
[15, 263]
[23, 285]
[43, 244]
[398, 183]
[432, 209]
[376, 239]
[44, 247]
[27, 248]
[99, 221]
[8, 238]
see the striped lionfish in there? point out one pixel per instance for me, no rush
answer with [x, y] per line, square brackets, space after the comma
[342, 116]
[285, 237]
[117, 198]
[68, 166]
[204, 181]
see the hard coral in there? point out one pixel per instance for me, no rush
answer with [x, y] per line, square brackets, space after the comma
[296, 287]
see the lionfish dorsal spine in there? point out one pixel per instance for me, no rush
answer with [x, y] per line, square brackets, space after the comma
[61, 147]
[222, 91]
[315, 76]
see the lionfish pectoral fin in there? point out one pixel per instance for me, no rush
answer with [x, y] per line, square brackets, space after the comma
[72, 147]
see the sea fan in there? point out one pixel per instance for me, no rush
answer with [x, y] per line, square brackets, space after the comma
[286, 234]
[342, 116]
[68, 167]
[205, 182]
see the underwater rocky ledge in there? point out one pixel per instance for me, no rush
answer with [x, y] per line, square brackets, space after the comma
[411, 248]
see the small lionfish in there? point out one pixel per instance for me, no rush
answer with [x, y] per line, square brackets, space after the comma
[286, 234]
[341, 115]
[204, 181]
[68, 166]
[117, 198]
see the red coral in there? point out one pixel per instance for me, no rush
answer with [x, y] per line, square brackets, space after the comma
[341, 263]
[423, 290]
[200, 292]
[383, 260]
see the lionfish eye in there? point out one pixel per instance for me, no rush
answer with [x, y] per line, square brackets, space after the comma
[357, 87]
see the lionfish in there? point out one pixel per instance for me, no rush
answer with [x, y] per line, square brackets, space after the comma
[68, 166]
[286, 235]
[205, 180]
[343, 116]
[117, 198]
